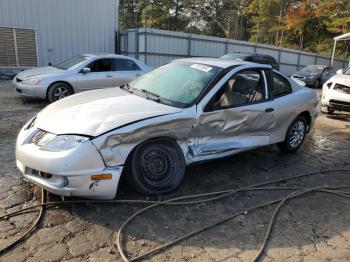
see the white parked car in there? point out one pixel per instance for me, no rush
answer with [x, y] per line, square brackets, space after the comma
[77, 74]
[187, 111]
[336, 93]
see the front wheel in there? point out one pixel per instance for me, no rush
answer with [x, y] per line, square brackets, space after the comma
[58, 91]
[156, 167]
[295, 136]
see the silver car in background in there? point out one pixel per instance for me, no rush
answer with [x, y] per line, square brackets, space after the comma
[77, 74]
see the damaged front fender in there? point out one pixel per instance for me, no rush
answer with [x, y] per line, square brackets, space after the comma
[115, 146]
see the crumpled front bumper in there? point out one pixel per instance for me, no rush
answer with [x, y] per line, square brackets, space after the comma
[335, 99]
[66, 173]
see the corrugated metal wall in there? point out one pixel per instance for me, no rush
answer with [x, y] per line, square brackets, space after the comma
[7, 47]
[64, 28]
[17, 48]
[156, 47]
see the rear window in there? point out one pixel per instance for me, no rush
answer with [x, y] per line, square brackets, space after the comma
[126, 65]
[281, 86]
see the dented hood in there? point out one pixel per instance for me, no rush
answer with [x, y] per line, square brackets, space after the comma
[95, 112]
[341, 79]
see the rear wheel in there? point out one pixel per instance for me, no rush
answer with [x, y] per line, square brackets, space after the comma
[295, 136]
[156, 167]
[58, 91]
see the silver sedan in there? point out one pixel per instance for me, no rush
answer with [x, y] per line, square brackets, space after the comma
[79, 73]
[187, 111]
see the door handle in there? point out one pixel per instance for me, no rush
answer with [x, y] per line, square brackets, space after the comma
[138, 75]
[269, 110]
[109, 76]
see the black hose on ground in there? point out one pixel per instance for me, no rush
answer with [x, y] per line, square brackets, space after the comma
[31, 229]
[222, 194]
[217, 223]
[179, 201]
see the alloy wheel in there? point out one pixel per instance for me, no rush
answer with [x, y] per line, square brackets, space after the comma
[297, 134]
[60, 92]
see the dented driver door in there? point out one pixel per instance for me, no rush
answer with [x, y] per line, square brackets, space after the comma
[229, 122]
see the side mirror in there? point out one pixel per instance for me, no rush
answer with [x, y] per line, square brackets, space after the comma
[339, 72]
[85, 70]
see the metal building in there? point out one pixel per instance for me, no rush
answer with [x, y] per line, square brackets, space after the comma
[38, 32]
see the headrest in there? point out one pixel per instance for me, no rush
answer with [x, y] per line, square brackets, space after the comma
[242, 84]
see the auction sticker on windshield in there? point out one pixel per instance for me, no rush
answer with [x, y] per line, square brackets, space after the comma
[202, 67]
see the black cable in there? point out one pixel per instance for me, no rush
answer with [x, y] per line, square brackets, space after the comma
[31, 229]
[174, 201]
[225, 193]
[217, 223]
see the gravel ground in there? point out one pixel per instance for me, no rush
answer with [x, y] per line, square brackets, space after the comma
[313, 228]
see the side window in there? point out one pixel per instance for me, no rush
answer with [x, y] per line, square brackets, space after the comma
[245, 87]
[125, 65]
[101, 65]
[281, 86]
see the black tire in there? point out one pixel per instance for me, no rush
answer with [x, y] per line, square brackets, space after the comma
[295, 136]
[58, 91]
[156, 167]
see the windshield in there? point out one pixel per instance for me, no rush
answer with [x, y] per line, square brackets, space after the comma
[178, 83]
[312, 69]
[72, 63]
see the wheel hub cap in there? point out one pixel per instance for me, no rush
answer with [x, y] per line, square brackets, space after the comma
[60, 92]
[297, 134]
[156, 164]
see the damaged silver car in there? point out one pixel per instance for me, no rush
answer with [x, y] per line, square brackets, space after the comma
[186, 111]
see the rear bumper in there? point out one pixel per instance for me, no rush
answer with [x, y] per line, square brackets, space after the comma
[314, 114]
[34, 91]
[66, 173]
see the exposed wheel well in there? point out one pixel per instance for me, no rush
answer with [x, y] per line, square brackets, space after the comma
[64, 82]
[307, 116]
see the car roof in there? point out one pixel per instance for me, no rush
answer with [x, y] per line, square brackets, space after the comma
[249, 54]
[220, 62]
[108, 56]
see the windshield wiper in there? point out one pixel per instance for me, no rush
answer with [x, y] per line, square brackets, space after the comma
[127, 87]
[151, 95]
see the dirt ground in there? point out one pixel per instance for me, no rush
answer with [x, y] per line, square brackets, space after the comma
[313, 228]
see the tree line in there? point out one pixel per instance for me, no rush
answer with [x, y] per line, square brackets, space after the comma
[308, 25]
